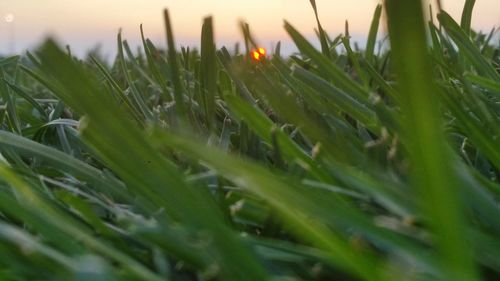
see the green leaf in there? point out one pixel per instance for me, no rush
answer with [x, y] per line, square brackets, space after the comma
[10, 100]
[372, 35]
[322, 34]
[174, 69]
[137, 99]
[208, 71]
[432, 162]
[469, 51]
[330, 70]
[467, 16]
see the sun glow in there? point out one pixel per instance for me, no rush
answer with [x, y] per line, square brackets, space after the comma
[258, 54]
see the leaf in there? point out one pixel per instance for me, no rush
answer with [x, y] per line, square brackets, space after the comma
[322, 34]
[174, 69]
[372, 35]
[330, 70]
[432, 174]
[471, 52]
[208, 70]
[467, 16]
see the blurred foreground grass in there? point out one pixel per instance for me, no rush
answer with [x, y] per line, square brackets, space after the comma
[208, 165]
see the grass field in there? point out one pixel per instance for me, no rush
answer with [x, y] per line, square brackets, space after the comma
[344, 163]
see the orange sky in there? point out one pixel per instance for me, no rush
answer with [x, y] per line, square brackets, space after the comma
[84, 23]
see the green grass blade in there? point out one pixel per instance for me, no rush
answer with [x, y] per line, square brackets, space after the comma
[466, 20]
[137, 99]
[9, 60]
[330, 70]
[322, 34]
[471, 52]
[381, 82]
[138, 66]
[261, 124]
[174, 69]
[372, 35]
[118, 90]
[154, 69]
[42, 80]
[432, 162]
[349, 105]
[486, 83]
[476, 131]
[21, 238]
[27, 97]
[287, 107]
[208, 72]
[353, 57]
[9, 98]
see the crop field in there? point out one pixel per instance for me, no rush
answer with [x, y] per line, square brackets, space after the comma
[341, 162]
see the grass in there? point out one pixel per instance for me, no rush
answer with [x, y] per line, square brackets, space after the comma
[372, 164]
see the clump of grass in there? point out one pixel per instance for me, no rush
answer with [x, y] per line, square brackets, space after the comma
[206, 165]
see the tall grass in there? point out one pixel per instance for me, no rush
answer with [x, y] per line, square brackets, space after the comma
[373, 164]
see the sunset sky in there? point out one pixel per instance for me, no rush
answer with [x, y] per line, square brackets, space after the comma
[83, 24]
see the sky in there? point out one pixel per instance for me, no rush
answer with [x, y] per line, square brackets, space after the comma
[85, 23]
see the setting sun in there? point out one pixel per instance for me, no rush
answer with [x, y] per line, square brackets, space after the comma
[258, 54]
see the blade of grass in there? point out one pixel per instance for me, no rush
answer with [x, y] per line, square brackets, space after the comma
[154, 69]
[174, 69]
[469, 51]
[432, 162]
[9, 60]
[380, 81]
[117, 90]
[137, 99]
[28, 98]
[208, 71]
[332, 71]
[261, 124]
[349, 105]
[467, 16]
[486, 83]
[353, 57]
[9, 98]
[372, 35]
[322, 34]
